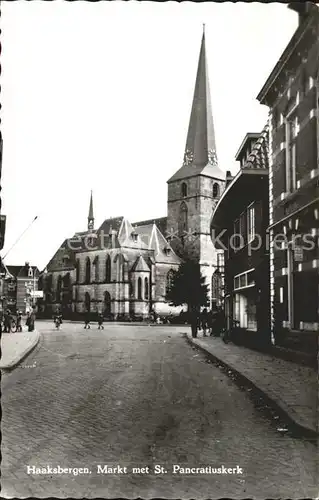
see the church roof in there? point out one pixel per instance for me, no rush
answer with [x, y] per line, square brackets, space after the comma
[158, 243]
[200, 157]
[126, 236]
[191, 171]
[140, 265]
[161, 223]
[111, 223]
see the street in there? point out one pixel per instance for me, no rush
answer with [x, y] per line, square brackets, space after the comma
[139, 396]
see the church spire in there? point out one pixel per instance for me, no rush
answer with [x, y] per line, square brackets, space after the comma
[91, 215]
[200, 147]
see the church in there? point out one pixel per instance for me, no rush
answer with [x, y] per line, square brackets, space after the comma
[123, 269]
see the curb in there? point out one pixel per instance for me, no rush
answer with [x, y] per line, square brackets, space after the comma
[282, 408]
[24, 353]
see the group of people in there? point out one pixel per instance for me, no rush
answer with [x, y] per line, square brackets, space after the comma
[87, 321]
[211, 322]
[13, 322]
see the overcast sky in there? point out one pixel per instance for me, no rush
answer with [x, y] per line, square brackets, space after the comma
[98, 96]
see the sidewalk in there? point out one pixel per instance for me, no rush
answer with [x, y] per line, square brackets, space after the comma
[292, 387]
[15, 346]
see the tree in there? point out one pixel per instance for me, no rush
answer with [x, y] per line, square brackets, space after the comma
[188, 287]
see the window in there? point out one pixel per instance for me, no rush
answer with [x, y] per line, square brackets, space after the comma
[87, 302]
[291, 134]
[107, 304]
[243, 227]
[183, 215]
[169, 280]
[88, 271]
[215, 190]
[77, 271]
[96, 268]
[216, 283]
[146, 289]
[139, 288]
[244, 280]
[184, 189]
[235, 240]
[251, 223]
[108, 269]
[59, 289]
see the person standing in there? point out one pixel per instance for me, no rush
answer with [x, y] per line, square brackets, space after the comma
[100, 321]
[31, 320]
[7, 321]
[204, 321]
[19, 321]
[87, 320]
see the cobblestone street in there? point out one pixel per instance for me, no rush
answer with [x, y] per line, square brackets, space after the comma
[137, 396]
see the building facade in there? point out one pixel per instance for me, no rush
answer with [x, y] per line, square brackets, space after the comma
[128, 270]
[292, 95]
[19, 287]
[238, 227]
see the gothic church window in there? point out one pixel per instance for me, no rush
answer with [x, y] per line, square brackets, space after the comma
[96, 268]
[184, 189]
[169, 279]
[215, 190]
[108, 269]
[183, 218]
[88, 270]
[107, 304]
[87, 302]
[146, 288]
[59, 289]
[139, 288]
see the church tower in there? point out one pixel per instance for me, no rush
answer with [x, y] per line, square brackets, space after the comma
[91, 215]
[195, 188]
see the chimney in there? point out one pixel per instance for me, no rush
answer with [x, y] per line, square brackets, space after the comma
[302, 9]
[229, 177]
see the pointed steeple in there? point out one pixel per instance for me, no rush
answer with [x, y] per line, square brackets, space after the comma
[200, 155]
[91, 215]
[200, 145]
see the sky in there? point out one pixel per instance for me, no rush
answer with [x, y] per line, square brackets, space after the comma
[97, 95]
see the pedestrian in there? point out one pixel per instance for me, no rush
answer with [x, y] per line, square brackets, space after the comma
[100, 321]
[87, 320]
[31, 320]
[194, 322]
[204, 321]
[210, 322]
[19, 321]
[7, 321]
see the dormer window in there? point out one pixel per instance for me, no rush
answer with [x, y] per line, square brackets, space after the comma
[66, 260]
[167, 249]
[184, 189]
[134, 236]
[30, 273]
